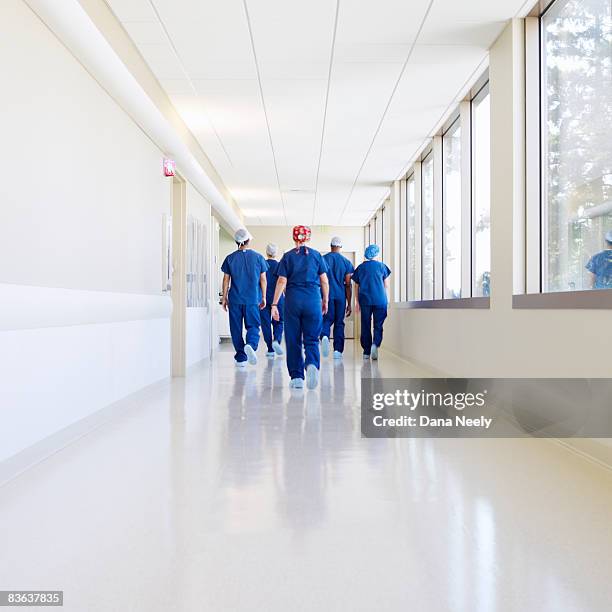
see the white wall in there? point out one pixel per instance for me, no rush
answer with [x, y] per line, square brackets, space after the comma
[321, 236]
[81, 204]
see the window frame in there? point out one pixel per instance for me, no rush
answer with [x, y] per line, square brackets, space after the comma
[413, 178]
[451, 125]
[529, 287]
[434, 147]
[478, 95]
[427, 153]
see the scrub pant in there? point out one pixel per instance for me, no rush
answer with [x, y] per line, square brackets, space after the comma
[303, 321]
[249, 315]
[271, 329]
[378, 314]
[335, 317]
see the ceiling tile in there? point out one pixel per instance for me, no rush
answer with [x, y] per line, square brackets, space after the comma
[146, 32]
[132, 10]
[462, 33]
[209, 70]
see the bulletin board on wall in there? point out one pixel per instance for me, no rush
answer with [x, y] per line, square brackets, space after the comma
[197, 264]
[166, 253]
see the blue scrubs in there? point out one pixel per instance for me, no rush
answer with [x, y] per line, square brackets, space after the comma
[601, 266]
[303, 316]
[244, 267]
[338, 266]
[271, 329]
[370, 276]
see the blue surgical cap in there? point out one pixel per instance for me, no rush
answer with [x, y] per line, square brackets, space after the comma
[609, 236]
[372, 251]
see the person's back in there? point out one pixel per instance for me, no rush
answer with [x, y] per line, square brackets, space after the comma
[271, 277]
[244, 286]
[302, 275]
[338, 267]
[370, 276]
[302, 268]
[244, 267]
[371, 283]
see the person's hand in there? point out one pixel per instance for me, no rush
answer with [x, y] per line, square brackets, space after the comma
[348, 310]
[224, 303]
[357, 309]
[262, 304]
[275, 313]
[324, 307]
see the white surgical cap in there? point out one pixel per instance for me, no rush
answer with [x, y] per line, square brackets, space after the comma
[271, 250]
[242, 235]
[336, 241]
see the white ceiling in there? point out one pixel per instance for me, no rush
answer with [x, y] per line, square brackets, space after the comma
[309, 109]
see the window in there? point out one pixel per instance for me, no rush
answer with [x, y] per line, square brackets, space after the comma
[427, 229]
[379, 228]
[411, 231]
[481, 194]
[403, 255]
[371, 231]
[452, 210]
[576, 148]
[444, 212]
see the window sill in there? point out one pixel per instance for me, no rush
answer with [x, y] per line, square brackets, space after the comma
[469, 303]
[595, 299]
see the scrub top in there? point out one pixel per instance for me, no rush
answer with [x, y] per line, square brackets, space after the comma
[601, 266]
[302, 271]
[244, 267]
[339, 266]
[272, 277]
[370, 276]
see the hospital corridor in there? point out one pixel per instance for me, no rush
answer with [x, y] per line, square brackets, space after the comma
[305, 306]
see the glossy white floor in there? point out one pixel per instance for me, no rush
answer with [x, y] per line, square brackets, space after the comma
[224, 491]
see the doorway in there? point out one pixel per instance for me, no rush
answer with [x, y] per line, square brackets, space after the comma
[179, 302]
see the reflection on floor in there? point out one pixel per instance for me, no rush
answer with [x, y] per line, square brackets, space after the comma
[224, 491]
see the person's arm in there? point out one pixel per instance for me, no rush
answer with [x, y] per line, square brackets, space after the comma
[387, 284]
[348, 289]
[357, 309]
[224, 290]
[324, 292]
[263, 283]
[281, 283]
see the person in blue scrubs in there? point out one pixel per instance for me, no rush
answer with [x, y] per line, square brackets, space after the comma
[272, 330]
[340, 297]
[302, 275]
[244, 291]
[600, 266]
[371, 284]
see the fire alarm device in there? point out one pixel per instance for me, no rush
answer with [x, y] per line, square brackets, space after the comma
[169, 167]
